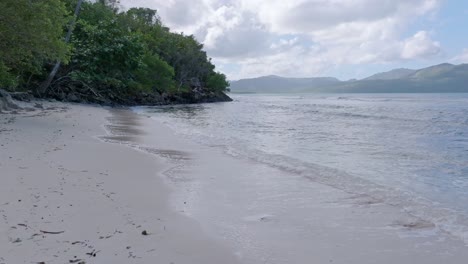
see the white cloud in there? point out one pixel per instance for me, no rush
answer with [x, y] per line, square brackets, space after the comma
[232, 33]
[461, 58]
[420, 46]
[300, 37]
[294, 61]
[284, 43]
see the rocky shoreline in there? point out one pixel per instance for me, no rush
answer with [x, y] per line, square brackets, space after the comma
[142, 99]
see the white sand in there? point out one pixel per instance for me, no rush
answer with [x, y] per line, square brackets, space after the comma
[56, 175]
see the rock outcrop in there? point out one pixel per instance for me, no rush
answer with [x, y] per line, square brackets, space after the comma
[6, 102]
[195, 96]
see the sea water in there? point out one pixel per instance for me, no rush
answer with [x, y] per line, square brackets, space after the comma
[407, 150]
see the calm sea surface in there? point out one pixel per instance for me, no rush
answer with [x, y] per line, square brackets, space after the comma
[408, 150]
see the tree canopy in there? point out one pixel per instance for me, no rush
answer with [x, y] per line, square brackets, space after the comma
[111, 52]
[31, 34]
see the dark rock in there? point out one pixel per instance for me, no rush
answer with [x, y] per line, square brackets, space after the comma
[197, 94]
[6, 102]
[61, 96]
[195, 85]
[22, 96]
[73, 98]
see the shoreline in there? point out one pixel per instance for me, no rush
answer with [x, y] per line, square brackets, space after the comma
[84, 183]
[68, 196]
[267, 214]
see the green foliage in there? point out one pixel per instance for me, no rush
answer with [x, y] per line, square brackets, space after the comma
[217, 82]
[6, 77]
[31, 34]
[104, 54]
[143, 19]
[111, 52]
[185, 54]
[154, 75]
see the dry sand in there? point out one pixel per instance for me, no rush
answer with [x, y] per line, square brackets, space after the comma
[67, 196]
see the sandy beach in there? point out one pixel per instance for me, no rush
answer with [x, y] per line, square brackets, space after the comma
[67, 196]
[84, 184]
[233, 132]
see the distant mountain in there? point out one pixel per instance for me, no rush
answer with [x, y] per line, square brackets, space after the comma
[443, 78]
[277, 84]
[435, 79]
[439, 71]
[391, 75]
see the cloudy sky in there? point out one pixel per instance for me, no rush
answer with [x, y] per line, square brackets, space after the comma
[307, 38]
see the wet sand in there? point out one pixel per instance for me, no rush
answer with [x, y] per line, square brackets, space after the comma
[267, 214]
[68, 196]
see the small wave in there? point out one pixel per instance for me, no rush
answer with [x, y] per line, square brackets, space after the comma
[233, 132]
[353, 115]
[424, 211]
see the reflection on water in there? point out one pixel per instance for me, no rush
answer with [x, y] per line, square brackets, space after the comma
[123, 126]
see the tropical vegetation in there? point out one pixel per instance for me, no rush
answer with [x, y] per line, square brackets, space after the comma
[111, 54]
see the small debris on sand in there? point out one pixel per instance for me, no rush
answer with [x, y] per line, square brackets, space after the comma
[52, 233]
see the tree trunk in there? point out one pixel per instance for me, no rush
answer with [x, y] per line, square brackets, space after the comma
[50, 78]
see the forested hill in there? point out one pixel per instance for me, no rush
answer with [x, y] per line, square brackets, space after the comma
[277, 84]
[442, 78]
[113, 56]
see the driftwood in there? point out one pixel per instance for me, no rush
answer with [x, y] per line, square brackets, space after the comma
[52, 233]
[93, 253]
[65, 88]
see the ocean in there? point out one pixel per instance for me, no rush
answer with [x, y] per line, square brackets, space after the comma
[409, 151]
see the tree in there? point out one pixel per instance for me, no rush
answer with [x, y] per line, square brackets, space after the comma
[154, 75]
[217, 82]
[105, 55]
[142, 19]
[31, 33]
[111, 54]
[52, 74]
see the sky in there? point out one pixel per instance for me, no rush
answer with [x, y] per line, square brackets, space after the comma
[346, 39]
